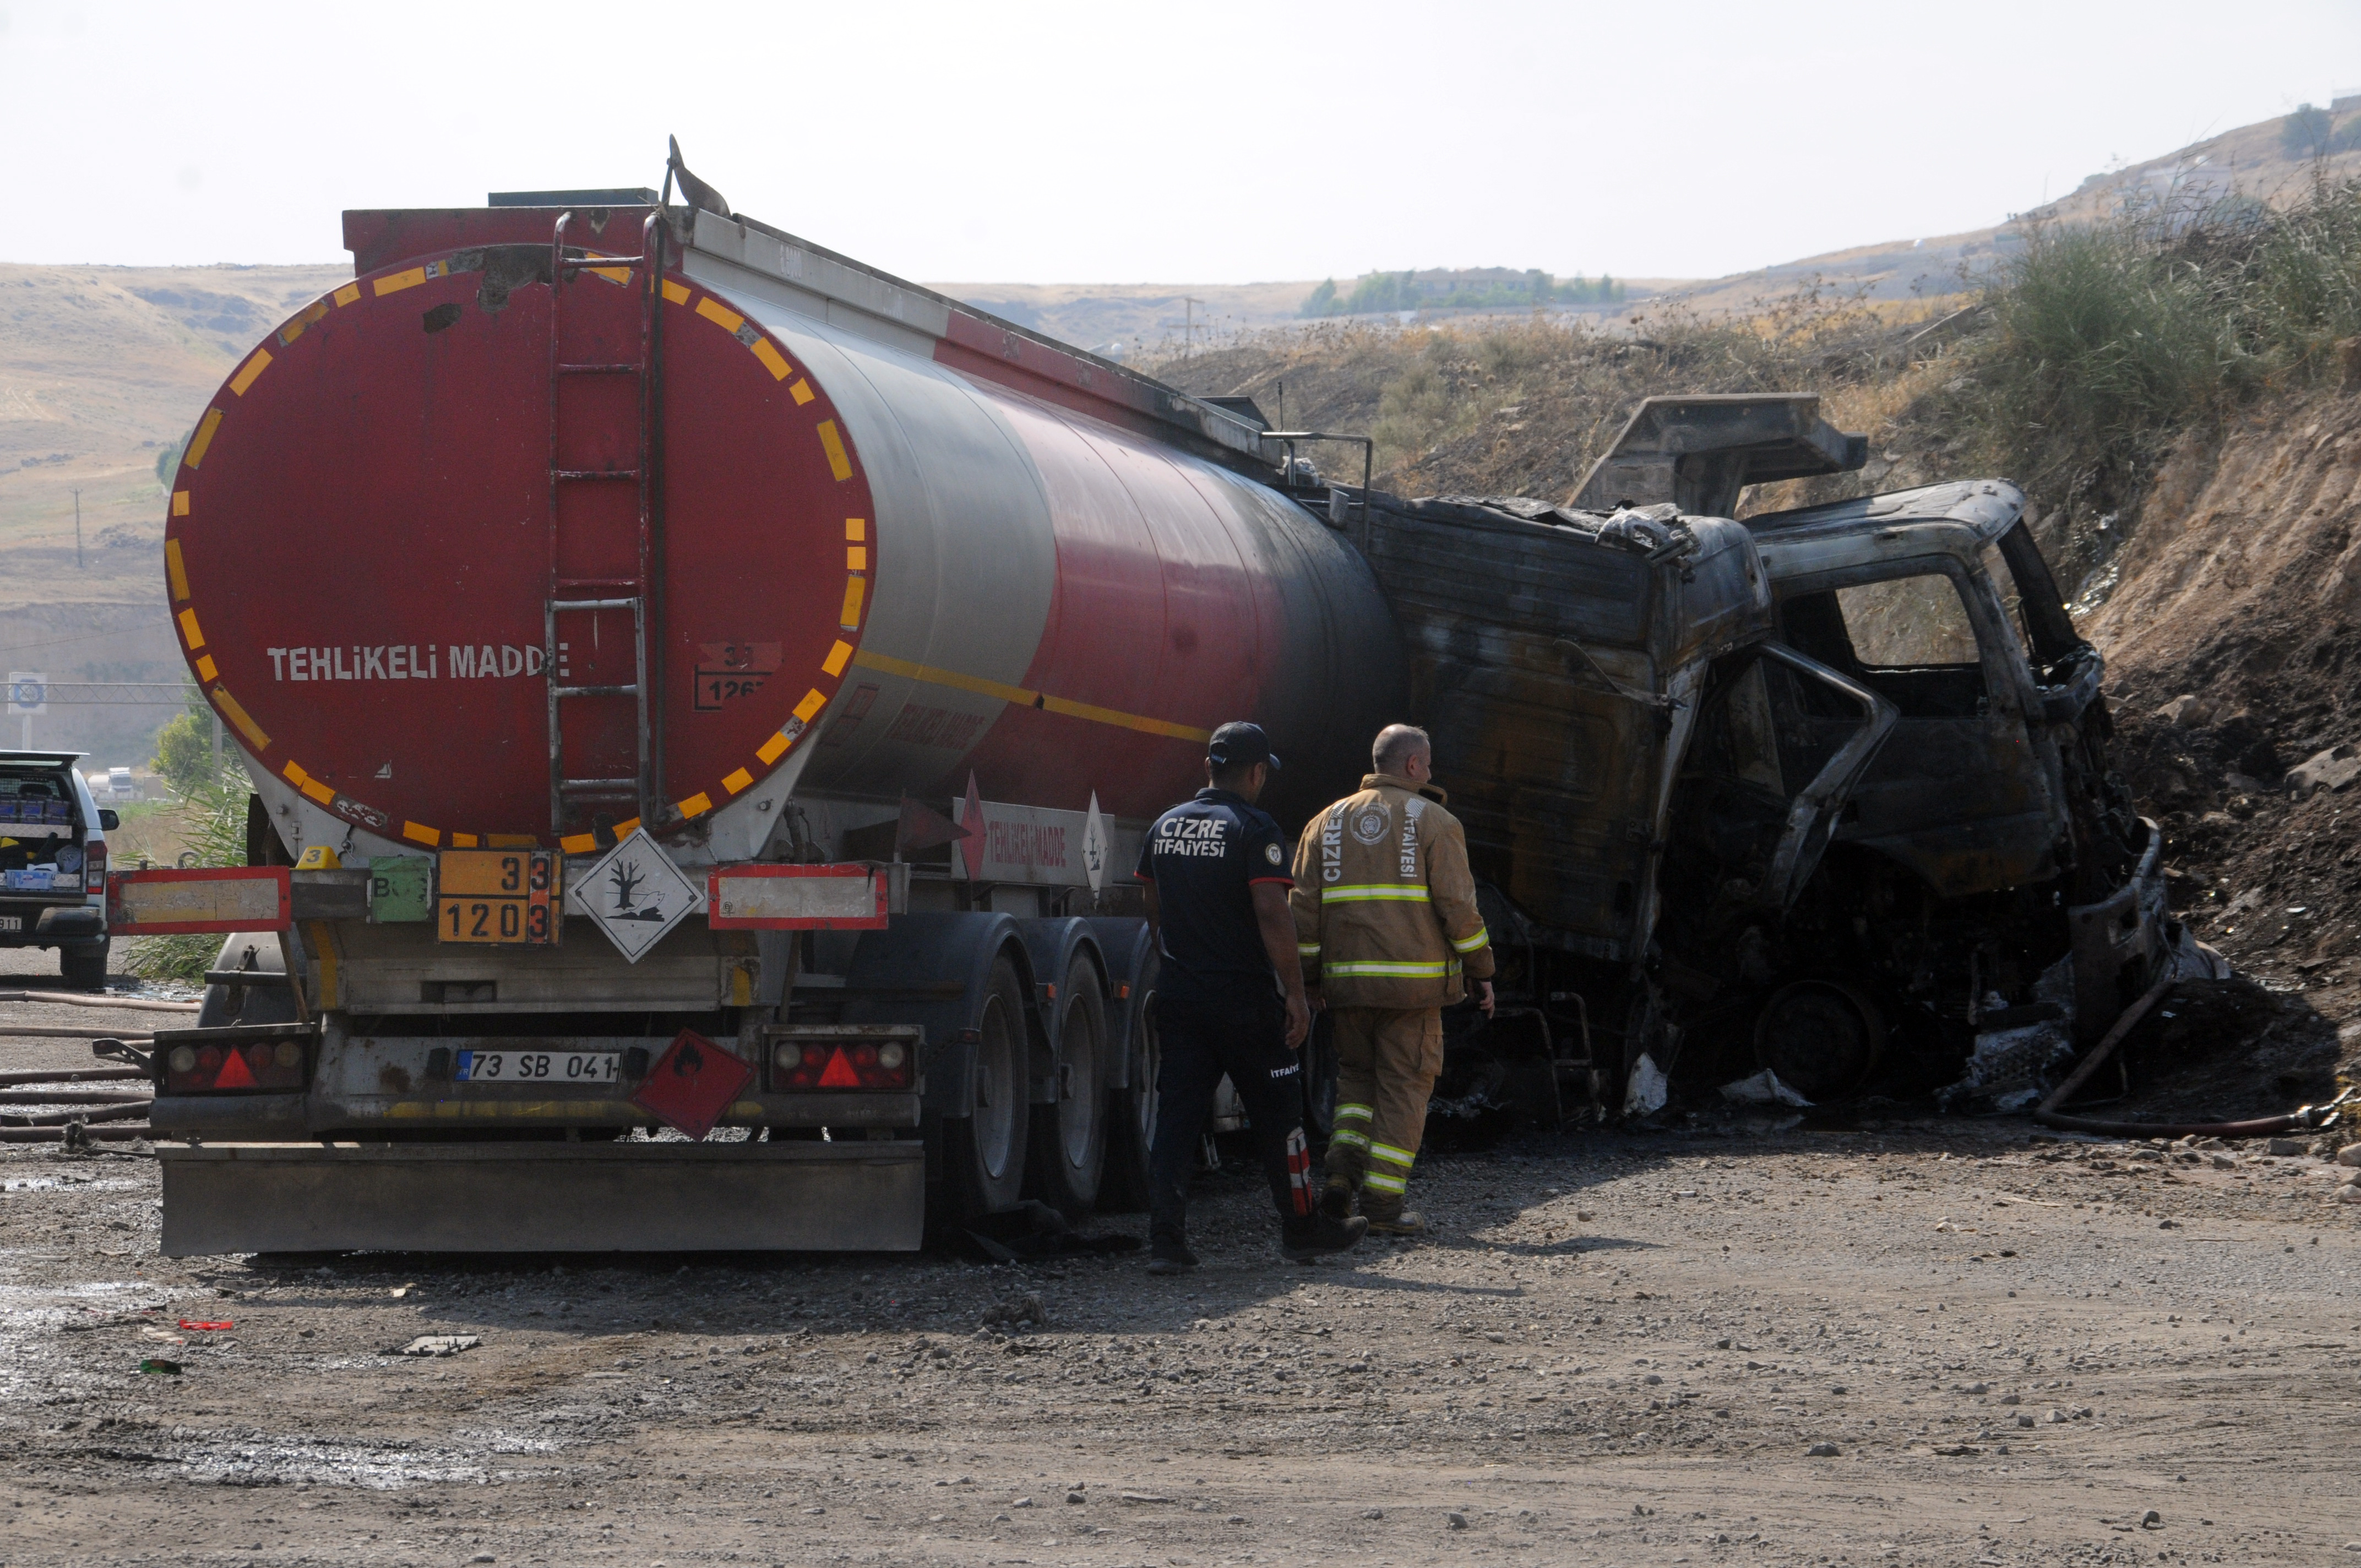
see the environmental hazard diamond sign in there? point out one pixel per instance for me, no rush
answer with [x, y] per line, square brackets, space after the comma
[636, 895]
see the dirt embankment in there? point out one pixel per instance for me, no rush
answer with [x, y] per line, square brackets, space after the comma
[2240, 586]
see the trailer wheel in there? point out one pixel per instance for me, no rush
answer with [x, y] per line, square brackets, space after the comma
[984, 1150]
[1070, 1142]
[1821, 1036]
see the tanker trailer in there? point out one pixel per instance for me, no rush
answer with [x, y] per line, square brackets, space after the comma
[690, 678]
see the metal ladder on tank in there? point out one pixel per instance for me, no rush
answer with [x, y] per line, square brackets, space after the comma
[637, 593]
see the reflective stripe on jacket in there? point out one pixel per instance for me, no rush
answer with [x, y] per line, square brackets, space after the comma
[1385, 908]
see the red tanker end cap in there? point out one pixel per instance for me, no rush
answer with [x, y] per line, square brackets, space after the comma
[460, 482]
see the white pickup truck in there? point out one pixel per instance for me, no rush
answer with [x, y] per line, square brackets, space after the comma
[53, 862]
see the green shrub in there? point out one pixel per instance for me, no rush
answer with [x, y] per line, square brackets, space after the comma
[2109, 340]
[184, 752]
[215, 812]
[2306, 133]
[1379, 293]
[2103, 345]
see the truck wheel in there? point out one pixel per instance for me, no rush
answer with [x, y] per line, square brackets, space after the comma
[84, 968]
[984, 1150]
[1069, 1140]
[1131, 1115]
[1821, 1036]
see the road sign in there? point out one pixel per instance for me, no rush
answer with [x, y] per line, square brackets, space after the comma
[28, 692]
[636, 895]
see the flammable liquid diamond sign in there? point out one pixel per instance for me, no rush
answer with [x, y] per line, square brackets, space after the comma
[636, 895]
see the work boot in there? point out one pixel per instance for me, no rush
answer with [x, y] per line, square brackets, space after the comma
[1336, 1199]
[1170, 1258]
[1387, 1216]
[1303, 1240]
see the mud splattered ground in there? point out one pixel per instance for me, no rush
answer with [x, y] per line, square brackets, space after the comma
[1616, 1350]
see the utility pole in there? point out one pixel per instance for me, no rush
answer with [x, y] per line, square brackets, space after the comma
[1187, 324]
[77, 496]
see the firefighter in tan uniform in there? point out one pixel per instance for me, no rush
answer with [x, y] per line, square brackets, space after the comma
[1387, 925]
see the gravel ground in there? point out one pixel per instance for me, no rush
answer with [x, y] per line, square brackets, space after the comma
[1616, 1349]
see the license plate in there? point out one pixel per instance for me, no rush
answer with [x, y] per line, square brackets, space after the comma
[539, 1067]
[499, 896]
[11, 922]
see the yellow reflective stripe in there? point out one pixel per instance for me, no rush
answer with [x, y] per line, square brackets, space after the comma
[1355, 1109]
[1390, 970]
[1307, 950]
[887, 665]
[1385, 1183]
[1349, 1139]
[1370, 891]
[1393, 1155]
[1469, 944]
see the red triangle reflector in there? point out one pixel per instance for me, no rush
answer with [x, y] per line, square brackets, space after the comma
[234, 1073]
[839, 1073]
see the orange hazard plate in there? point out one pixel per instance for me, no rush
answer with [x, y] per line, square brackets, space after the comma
[510, 897]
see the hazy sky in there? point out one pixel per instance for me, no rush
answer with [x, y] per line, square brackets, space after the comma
[1124, 143]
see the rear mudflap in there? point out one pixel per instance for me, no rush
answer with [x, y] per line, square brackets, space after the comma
[865, 1196]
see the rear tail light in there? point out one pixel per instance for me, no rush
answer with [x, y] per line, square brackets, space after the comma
[800, 1065]
[93, 864]
[230, 1066]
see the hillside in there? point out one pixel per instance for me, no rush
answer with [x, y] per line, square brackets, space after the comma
[102, 372]
[2255, 163]
[1125, 320]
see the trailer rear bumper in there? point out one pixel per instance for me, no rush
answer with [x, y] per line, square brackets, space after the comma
[544, 1197]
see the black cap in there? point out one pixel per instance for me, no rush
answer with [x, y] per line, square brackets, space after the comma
[1238, 744]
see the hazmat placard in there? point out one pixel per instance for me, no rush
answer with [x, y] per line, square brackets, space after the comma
[1094, 845]
[692, 1084]
[635, 895]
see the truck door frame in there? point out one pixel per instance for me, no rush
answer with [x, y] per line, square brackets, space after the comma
[2004, 831]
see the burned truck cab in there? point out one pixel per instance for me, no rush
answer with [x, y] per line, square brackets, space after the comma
[1899, 592]
[1988, 839]
[1854, 826]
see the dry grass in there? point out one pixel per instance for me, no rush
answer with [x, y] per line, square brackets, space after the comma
[1523, 407]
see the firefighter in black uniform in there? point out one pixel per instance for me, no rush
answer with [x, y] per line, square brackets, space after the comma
[1230, 998]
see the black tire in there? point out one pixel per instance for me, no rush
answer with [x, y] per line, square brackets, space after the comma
[1822, 1037]
[1131, 1112]
[84, 968]
[983, 1151]
[1069, 1137]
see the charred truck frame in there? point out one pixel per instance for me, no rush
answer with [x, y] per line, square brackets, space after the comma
[754, 673]
[1794, 788]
